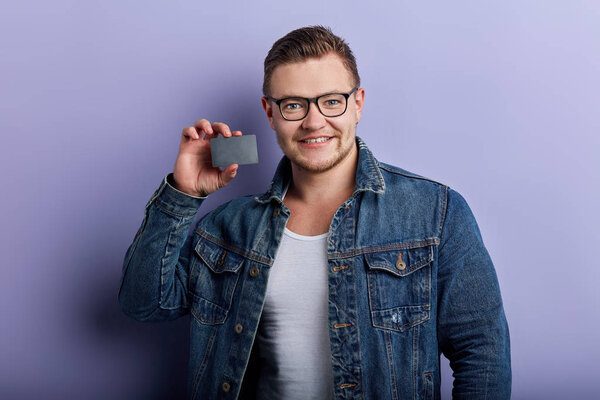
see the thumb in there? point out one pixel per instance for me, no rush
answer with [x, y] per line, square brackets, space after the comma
[228, 173]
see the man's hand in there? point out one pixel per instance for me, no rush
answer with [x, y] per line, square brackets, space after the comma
[193, 172]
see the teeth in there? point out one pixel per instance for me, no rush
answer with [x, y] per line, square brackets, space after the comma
[318, 140]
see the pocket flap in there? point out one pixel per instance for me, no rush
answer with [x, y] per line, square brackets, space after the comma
[217, 258]
[402, 261]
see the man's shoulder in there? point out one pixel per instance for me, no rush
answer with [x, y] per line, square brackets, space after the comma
[395, 176]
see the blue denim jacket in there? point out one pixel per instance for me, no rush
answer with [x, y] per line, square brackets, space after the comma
[409, 277]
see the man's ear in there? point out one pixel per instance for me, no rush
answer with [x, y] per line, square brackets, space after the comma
[359, 102]
[266, 104]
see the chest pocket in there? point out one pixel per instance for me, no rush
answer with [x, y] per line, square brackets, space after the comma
[399, 287]
[215, 276]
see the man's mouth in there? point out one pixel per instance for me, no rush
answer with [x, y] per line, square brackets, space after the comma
[316, 140]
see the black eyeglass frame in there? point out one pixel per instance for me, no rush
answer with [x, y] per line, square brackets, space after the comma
[312, 100]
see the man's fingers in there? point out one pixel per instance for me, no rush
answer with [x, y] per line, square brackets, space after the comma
[221, 128]
[203, 126]
[203, 129]
[190, 132]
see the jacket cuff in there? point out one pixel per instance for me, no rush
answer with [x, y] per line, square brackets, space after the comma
[175, 201]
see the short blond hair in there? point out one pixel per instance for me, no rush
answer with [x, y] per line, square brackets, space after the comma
[304, 43]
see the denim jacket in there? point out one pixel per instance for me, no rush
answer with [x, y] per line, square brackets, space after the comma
[409, 278]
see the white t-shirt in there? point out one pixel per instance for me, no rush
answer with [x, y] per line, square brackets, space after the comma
[293, 336]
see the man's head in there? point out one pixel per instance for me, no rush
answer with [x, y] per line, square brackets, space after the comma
[308, 63]
[304, 43]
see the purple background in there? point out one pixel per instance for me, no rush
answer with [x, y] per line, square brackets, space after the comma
[500, 101]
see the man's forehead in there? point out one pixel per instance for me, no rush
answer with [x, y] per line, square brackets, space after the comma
[312, 77]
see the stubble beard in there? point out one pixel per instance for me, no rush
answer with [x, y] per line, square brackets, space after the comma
[341, 152]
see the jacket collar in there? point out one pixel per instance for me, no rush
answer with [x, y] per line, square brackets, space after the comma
[368, 176]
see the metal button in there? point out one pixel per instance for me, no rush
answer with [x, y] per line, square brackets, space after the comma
[239, 328]
[400, 264]
[226, 386]
[254, 272]
[276, 212]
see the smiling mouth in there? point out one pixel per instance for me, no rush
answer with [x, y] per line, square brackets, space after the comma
[316, 140]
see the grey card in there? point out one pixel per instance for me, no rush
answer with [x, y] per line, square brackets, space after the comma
[233, 150]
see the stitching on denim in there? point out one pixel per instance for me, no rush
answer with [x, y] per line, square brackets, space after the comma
[404, 327]
[205, 321]
[370, 279]
[374, 249]
[234, 249]
[264, 232]
[395, 170]
[428, 383]
[374, 165]
[356, 394]
[409, 268]
[204, 361]
[388, 347]
[343, 338]
[188, 292]
[339, 268]
[429, 287]
[415, 363]
[213, 265]
[165, 208]
[164, 259]
[343, 367]
[358, 359]
[262, 235]
[443, 210]
[134, 245]
[343, 217]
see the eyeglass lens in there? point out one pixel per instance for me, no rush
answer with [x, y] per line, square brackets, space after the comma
[331, 105]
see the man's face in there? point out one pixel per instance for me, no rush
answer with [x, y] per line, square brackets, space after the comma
[312, 78]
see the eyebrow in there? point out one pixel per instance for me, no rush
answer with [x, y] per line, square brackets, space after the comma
[285, 96]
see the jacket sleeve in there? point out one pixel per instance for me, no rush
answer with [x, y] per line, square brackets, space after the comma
[156, 269]
[472, 328]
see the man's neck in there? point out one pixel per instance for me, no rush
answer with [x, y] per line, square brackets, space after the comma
[334, 185]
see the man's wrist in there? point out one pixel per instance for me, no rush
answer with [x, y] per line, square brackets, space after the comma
[171, 182]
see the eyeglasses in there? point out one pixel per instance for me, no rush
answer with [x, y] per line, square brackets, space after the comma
[296, 108]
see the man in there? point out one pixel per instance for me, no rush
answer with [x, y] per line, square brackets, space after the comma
[346, 279]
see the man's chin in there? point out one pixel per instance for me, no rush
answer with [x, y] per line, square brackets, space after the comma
[314, 166]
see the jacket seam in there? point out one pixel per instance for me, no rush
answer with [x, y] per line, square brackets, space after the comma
[393, 170]
[167, 210]
[389, 247]
[165, 259]
[444, 212]
[237, 250]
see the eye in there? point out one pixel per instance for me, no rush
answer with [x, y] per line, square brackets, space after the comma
[332, 102]
[292, 106]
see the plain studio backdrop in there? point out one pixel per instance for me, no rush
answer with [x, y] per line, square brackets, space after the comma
[499, 100]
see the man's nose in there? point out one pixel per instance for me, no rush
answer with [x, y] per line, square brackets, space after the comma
[314, 119]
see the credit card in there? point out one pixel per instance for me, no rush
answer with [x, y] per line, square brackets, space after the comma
[233, 150]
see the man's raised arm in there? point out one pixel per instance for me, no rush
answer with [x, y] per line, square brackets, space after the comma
[154, 283]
